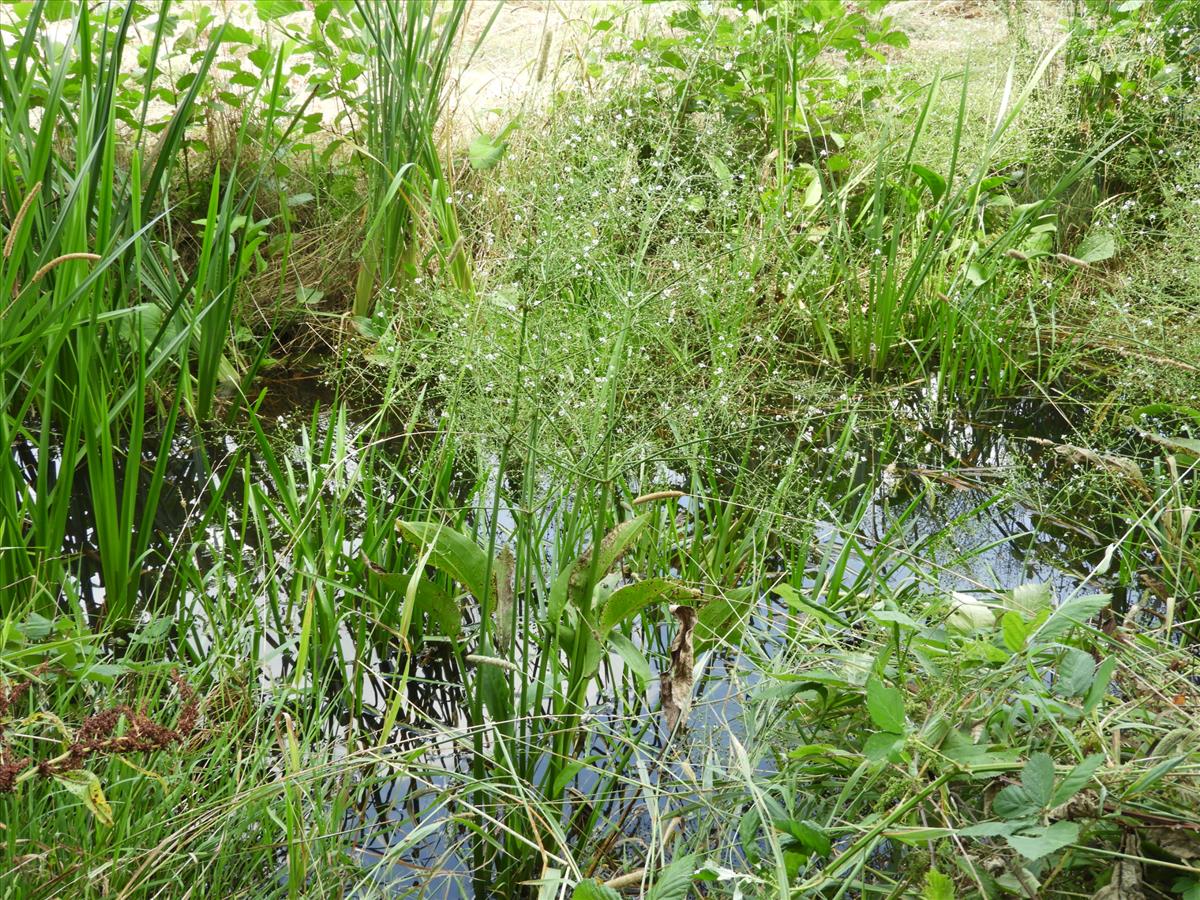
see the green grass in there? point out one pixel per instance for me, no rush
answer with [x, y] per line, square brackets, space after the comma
[751, 339]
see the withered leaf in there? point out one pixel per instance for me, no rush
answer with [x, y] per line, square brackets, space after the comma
[1126, 882]
[502, 571]
[676, 682]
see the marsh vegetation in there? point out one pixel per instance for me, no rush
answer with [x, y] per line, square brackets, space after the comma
[761, 461]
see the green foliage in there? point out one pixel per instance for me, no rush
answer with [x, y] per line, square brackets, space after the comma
[440, 628]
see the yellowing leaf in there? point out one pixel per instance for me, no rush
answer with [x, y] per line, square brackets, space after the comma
[86, 786]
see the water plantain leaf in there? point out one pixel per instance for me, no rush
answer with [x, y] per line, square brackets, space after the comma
[634, 658]
[935, 182]
[570, 585]
[674, 882]
[721, 618]
[431, 600]
[453, 553]
[628, 601]
[496, 689]
[611, 549]
[441, 609]
[502, 573]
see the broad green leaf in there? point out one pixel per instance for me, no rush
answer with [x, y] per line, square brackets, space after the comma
[720, 620]
[885, 704]
[570, 584]
[591, 889]
[969, 614]
[634, 658]
[797, 601]
[675, 880]
[1038, 777]
[1075, 673]
[1076, 779]
[628, 601]
[1033, 794]
[962, 750]
[937, 886]
[1074, 612]
[276, 9]
[485, 152]
[809, 836]
[1096, 247]
[614, 545]
[443, 612]
[453, 553]
[1014, 631]
[988, 829]
[1034, 843]
[86, 786]
[883, 745]
[935, 182]
[1032, 598]
[1100, 684]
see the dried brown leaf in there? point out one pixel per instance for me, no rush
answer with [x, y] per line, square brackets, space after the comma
[503, 572]
[1126, 883]
[676, 682]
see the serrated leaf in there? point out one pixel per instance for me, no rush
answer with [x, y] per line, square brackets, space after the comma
[1076, 779]
[1038, 777]
[806, 836]
[1034, 843]
[1074, 612]
[1015, 802]
[276, 9]
[988, 829]
[1075, 673]
[1100, 684]
[968, 614]
[675, 881]
[1032, 795]
[883, 745]
[937, 886]
[1032, 598]
[591, 889]
[885, 705]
